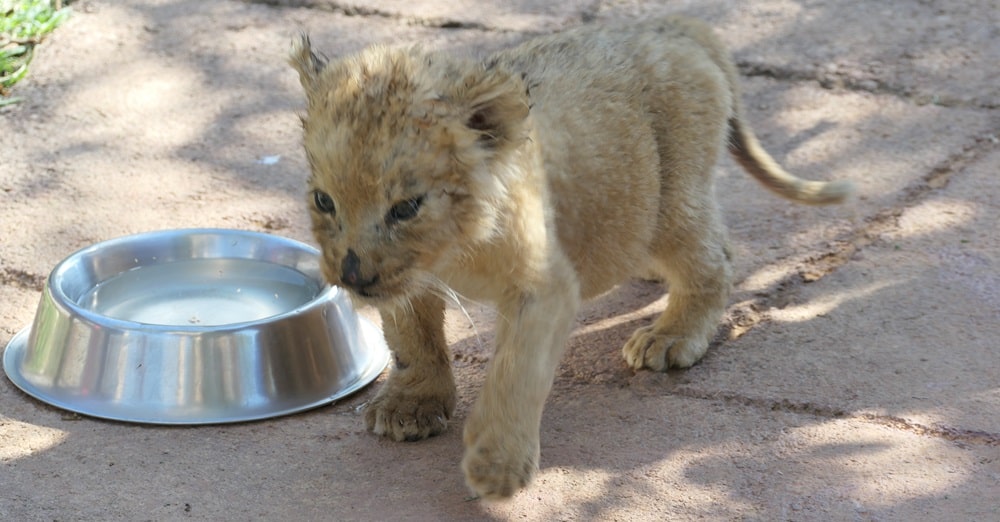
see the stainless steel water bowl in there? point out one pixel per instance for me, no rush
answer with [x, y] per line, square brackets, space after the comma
[193, 327]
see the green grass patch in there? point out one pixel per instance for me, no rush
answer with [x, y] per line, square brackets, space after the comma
[23, 25]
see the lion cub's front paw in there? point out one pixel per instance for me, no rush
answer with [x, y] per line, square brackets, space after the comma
[649, 348]
[402, 414]
[498, 463]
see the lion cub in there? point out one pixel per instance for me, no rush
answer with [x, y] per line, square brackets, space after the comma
[542, 176]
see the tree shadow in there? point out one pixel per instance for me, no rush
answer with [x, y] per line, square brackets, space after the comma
[715, 434]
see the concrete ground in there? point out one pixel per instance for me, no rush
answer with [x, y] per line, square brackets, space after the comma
[857, 375]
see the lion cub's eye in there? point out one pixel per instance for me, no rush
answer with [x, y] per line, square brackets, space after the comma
[323, 202]
[404, 210]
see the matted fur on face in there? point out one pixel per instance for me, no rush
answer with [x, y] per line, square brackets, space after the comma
[400, 180]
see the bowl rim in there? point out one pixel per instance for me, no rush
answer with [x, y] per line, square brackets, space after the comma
[61, 299]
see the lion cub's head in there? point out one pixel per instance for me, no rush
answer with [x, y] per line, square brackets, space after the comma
[407, 151]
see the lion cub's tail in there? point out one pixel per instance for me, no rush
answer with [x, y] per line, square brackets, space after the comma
[751, 155]
[744, 145]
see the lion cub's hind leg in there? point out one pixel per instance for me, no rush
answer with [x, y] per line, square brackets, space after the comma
[692, 108]
[695, 262]
[418, 398]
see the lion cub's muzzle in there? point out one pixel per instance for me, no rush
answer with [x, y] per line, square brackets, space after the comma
[350, 275]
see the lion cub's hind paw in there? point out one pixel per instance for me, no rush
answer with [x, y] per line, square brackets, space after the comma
[660, 351]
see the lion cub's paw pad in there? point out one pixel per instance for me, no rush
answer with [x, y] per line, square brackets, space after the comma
[407, 418]
[659, 351]
[496, 473]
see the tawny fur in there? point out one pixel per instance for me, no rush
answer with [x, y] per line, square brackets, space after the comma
[539, 177]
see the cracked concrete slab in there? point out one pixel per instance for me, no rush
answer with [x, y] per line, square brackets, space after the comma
[929, 52]
[611, 453]
[906, 330]
[821, 134]
[854, 377]
[508, 16]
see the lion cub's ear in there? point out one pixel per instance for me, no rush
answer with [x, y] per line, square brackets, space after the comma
[495, 104]
[307, 63]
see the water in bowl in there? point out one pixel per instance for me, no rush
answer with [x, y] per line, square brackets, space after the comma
[202, 292]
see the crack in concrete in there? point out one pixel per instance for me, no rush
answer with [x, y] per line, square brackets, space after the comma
[887, 220]
[857, 83]
[975, 437]
[744, 317]
[347, 9]
[784, 405]
[21, 279]
[828, 79]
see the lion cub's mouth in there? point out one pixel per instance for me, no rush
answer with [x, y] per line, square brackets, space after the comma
[377, 290]
[367, 293]
[371, 292]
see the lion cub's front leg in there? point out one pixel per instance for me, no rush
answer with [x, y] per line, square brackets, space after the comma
[502, 432]
[419, 396]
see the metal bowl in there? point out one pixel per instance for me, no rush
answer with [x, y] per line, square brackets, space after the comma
[193, 327]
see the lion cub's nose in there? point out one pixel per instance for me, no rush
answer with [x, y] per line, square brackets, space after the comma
[350, 272]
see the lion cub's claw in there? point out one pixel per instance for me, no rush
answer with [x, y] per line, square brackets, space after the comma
[405, 418]
[649, 348]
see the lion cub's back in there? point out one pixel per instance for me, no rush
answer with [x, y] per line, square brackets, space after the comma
[590, 106]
